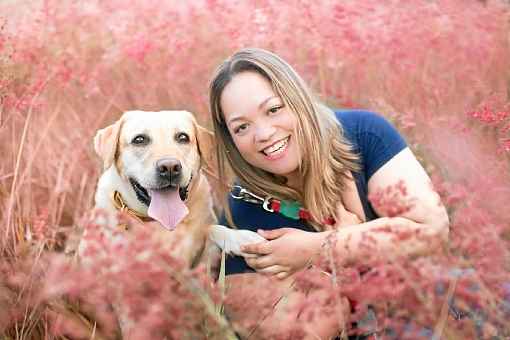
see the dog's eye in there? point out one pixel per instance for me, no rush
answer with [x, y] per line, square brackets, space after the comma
[182, 138]
[140, 140]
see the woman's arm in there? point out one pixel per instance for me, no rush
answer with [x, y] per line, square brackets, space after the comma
[414, 231]
[414, 225]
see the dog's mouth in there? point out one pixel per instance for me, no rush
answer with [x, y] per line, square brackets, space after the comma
[144, 196]
[165, 203]
[141, 193]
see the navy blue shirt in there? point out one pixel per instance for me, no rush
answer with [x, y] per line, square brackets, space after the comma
[373, 138]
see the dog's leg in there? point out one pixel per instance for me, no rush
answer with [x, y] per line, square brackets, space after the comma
[231, 240]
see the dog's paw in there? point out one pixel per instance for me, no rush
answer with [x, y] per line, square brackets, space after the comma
[231, 240]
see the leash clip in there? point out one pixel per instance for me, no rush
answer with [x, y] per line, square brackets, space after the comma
[267, 204]
[240, 193]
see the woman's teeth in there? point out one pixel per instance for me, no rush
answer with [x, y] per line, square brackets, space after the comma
[276, 148]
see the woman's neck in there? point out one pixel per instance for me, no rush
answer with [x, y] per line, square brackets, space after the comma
[294, 181]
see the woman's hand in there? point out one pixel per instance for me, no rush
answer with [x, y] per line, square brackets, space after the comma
[346, 218]
[286, 251]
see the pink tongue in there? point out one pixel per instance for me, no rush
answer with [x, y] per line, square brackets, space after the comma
[167, 208]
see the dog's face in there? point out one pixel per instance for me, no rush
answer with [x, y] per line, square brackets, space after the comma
[155, 151]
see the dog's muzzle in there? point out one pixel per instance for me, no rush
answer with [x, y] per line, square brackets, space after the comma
[169, 177]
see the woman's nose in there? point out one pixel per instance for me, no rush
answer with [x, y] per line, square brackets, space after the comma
[264, 132]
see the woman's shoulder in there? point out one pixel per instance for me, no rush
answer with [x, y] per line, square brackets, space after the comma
[361, 121]
[374, 137]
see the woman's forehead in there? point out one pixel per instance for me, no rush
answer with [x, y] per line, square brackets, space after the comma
[247, 92]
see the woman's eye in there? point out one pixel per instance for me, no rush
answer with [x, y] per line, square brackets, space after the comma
[275, 109]
[182, 138]
[240, 128]
[140, 140]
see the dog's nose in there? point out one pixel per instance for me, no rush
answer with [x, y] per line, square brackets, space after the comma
[169, 167]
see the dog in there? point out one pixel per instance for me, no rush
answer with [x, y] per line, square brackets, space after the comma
[153, 169]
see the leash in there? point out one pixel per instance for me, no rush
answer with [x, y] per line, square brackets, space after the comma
[290, 209]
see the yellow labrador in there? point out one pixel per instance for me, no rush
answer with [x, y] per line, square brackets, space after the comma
[153, 169]
[153, 165]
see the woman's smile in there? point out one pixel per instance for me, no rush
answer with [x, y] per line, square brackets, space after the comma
[276, 150]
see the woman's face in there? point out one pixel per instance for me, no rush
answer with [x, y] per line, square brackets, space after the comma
[262, 127]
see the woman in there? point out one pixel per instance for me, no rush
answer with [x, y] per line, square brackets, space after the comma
[282, 144]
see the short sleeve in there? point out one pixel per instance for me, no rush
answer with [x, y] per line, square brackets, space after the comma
[373, 137]
[379, 141]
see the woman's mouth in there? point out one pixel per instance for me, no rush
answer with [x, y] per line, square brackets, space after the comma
[277, 149]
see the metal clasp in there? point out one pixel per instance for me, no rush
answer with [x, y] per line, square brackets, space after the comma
[240, 193]
[267, 204]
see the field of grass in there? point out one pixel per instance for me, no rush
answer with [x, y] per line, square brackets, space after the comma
[440, 70]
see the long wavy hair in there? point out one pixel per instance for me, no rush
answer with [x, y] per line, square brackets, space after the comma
[326, 157]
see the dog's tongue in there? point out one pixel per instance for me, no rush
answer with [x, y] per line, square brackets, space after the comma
[167, 208]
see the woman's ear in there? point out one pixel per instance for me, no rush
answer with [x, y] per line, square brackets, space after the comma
[106, 142]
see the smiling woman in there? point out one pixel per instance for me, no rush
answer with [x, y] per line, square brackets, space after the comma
[261, 125]
[266, 121]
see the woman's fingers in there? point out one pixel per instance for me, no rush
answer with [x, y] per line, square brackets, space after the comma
[345, 217]
[273, 270]
[259, 248]
[260, 262]
[265, 265]
[275, 233]
[252, 262]
[282, 275]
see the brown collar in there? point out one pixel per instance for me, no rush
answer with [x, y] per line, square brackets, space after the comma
[119, 203]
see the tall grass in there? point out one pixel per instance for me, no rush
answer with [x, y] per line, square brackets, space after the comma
[438, 69]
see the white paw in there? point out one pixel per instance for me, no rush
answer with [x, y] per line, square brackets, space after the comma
[231, 240]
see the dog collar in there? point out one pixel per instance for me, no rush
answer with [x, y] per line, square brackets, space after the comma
[120, 205]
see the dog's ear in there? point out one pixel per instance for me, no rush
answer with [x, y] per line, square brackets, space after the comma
[206, 147]
[106, 141]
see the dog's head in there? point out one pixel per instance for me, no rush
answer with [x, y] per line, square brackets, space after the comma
[158, 153]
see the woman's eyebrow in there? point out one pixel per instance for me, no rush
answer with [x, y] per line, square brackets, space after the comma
[235, 118]
[266, 100]
[260, 106]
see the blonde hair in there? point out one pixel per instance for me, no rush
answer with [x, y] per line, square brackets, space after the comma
[326, 158]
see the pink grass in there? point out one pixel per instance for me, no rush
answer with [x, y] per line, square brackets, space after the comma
[438, 69]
